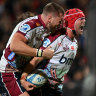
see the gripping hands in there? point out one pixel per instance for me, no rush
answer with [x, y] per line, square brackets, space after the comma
[47, 53]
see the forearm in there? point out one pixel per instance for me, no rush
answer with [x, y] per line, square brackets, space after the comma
[27, 85]
[36, 60]
[27, 70]
[21, 48]
[31, 66]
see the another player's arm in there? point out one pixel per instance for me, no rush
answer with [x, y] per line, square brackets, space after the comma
[19, 46]
[36, 60]
[28, 69]
[31, 66]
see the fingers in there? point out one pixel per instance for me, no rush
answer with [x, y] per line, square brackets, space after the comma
[48, 53]
[27, 85]
[32, 85]
[49, 47]
[29, 89]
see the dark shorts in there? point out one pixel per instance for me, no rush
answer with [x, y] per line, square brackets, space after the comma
[10, 84]
[46, 90]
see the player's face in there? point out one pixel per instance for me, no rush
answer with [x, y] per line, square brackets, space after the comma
[55, 22]
[79, 26]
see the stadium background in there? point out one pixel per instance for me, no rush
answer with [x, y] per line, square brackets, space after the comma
[80, 80]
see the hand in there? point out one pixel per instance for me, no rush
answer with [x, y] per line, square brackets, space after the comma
[28, 86]
[48, 53]
[53, 82]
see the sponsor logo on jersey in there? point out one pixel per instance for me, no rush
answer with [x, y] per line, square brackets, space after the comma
[24, 28]
[13, 64]
[46, 42]
[67, 61]
[11, 55]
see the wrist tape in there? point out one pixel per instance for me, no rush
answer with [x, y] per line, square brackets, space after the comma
[39, 52]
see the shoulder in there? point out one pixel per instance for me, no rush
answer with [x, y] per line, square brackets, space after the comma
[61, 37]
[51, 39]
[32, 21]
[75, 40]
[29, 24]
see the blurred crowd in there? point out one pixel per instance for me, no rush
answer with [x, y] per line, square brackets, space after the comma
[11, 9]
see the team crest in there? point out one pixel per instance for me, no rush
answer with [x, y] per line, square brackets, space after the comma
[24, 28]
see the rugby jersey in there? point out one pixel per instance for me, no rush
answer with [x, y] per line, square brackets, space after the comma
[64, 54]
[33, 28]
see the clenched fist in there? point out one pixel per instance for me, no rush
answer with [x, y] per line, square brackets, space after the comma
[48, 53]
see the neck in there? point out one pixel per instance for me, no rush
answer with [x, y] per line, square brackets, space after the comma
[70, 34]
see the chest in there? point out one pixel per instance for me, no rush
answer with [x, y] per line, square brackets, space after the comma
[37, 36]
[66, 48]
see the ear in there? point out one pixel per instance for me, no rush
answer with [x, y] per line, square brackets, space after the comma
[49, 17]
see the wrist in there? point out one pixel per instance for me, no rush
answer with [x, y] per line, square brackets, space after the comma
[39, 53]
[24, 76]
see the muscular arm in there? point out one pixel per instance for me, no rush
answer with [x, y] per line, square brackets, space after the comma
[32, 64]
[28, 69]
[19, 46]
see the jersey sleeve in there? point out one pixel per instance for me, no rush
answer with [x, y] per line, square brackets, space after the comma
[26, 28]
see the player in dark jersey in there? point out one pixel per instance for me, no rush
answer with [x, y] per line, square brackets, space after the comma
[25, 41]
[65, 49]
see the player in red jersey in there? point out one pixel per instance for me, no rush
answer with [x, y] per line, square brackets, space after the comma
[25, 41]
[65, 49]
